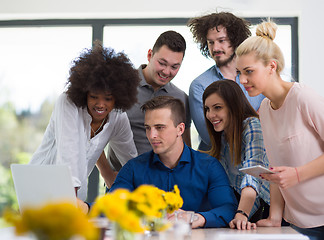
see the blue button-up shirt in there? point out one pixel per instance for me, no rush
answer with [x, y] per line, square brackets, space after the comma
[203, 183]
[196, 90]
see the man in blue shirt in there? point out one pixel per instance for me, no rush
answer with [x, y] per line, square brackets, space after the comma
[218, 35]
[202, 181]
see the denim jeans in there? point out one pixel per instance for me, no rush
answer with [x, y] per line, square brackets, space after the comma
[316, 233]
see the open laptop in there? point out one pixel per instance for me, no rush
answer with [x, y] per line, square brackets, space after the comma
[37, 185]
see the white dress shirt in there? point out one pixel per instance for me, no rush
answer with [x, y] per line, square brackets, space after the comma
[67, 140]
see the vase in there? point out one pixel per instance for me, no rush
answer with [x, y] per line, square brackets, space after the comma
[102, 224]
[154, 226]
[120, 233]
[151, 235]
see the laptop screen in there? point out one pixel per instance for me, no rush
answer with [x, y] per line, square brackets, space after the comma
[37, 185]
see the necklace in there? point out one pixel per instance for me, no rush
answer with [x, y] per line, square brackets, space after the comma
[95, 132]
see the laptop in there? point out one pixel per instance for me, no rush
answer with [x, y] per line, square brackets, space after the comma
[37, 185]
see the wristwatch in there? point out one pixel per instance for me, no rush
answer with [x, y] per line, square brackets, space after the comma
[242, 212]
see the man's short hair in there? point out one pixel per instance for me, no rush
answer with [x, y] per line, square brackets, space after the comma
[173, 40]
[174, 104]
[237, 29]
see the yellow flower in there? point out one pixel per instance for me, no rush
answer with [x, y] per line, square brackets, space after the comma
[146, 204]
[173, 200]
[112, 205]
[149, 200]
[132, 223]
[55, 221]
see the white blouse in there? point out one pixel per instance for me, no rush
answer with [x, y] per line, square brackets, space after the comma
[67, 141]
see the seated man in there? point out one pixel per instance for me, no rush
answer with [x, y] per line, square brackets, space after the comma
[202, 181]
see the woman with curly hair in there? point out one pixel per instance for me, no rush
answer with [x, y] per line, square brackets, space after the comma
[89, 115]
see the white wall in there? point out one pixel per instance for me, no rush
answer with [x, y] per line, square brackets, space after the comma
[143, 8]
[311, 45]
[311, 32]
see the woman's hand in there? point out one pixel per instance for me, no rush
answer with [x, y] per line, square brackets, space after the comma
[284, 177]
[241, 222]
[268, 222]
[82, 206]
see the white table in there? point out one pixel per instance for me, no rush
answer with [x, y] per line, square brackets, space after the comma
[261, 233]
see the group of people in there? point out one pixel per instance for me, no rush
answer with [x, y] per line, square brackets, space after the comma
[145, 120]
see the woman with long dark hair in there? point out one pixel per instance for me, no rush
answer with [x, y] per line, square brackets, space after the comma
[236, 139]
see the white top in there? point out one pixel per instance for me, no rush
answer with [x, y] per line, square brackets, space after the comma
[67, 141]
[293, 136]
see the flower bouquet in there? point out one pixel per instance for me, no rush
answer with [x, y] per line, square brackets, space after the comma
[54, 221]
[137, 211]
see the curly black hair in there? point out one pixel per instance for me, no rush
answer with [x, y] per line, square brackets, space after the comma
[237, 29]
[103, 70]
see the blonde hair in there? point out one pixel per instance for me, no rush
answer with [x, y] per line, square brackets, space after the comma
[263, 46]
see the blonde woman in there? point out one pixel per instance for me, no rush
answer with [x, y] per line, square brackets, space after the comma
[292, 123]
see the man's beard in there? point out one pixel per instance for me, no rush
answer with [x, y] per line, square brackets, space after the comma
[220, 63]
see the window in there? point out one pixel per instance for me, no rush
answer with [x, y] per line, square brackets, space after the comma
[35, 62]
[36, 57]
[194, 63]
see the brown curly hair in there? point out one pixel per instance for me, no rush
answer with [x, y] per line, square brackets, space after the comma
[237, 29]
[103, 70]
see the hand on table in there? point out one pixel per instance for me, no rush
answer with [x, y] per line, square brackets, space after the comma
[198, 220]
[284, 177]
[242, 223]
[268, 222]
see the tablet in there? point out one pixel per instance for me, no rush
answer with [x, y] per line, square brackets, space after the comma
[255, 171]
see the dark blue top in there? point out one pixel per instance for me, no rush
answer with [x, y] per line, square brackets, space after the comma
[203, 183]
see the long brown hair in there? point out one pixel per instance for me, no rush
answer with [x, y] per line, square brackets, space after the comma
[239, 109]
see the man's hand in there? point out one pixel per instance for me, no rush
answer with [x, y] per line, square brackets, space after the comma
[198, 220]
